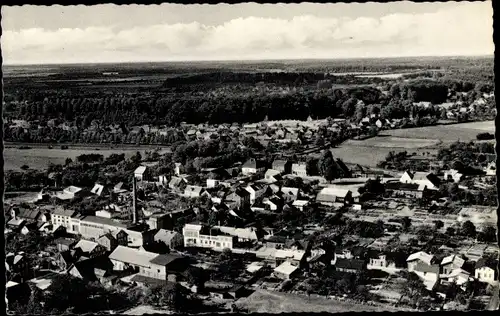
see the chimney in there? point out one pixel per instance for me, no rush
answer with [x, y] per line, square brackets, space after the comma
[134, 201]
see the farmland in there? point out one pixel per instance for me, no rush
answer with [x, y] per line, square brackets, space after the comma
[276, 302]
[420, 140]
[39, 158]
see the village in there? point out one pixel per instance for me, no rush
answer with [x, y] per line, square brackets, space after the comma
[297, 221]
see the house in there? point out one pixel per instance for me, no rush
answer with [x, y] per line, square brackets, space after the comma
[65, 259]
[453, 175]
[108, 241]
[140, 173]
[71, 192]
[450, 263]
[256, 191]
[196, 235]
[121, 237]
[64, 244]
[212, 183]
[299, 169]
[286, 271]
[63, 218]
[240, 198]
[350, 265]
[98, 189]
[242, 234]
[18, 264]
[272, 175]
[27, 214]
[145, 263]
[300, 204]
[92, 270]
[89, 249]
[118, 188]
[486, 270]
[170, 238]
[282, 166]
[491, 169]
[289, 194]
[429, 180]
[177, 184]
[429, 273]
[332, 195]
[458, 276]
[253, 166]
[380, 262]
[406, 190]
[417, 257]
[193, 191]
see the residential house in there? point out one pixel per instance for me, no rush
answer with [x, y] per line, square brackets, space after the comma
[272, 176]
[98, 189]
[429, 180]
[140, 173]
[63, 217]
[108, 241]
[450, 263]
[64, 244]
[286, 271]
[491, 169]
[240, 198]
[256, 191]
[452, 175]
[177, 184]
[242, 234]
[193, 191]
[146, 263]
[350, 265]
[64, 260]
[380, 262]
[90, 249]
[170, 238]
[333, 195]
[253, 166]
[289, 194]
[417, 257]
[300, 204]
[196, 235]
[486, 270]
[406, 190]
[97, 269]
[282, 166]
[18, 264]
[458, 276]
[429, 273]
[299, 169]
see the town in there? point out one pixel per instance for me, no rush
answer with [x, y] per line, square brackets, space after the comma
[174, 231]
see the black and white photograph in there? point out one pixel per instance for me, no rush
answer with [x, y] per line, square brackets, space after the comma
[249, 158]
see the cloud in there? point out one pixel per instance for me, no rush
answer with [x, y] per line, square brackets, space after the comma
[465, 29]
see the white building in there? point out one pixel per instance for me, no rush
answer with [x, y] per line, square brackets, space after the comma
[299, 169]
[62, 217]
[204, 237]
[139, 173]
[486, 271]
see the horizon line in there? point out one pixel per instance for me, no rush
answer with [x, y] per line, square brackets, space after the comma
[245, 60]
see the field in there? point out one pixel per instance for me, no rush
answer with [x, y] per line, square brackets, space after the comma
[419, 140]
[262, 301]
[39, 158]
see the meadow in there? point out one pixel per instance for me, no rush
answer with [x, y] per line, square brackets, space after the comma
[39, 158]
[420, 140]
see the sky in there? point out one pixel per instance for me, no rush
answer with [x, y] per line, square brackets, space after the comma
[174, 32]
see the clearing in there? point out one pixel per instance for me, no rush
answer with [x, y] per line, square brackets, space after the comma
[262, 301]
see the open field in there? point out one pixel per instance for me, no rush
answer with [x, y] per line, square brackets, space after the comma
[370, 151]
[262, 301]
[394, 142]
[446, 133]
[39, 158]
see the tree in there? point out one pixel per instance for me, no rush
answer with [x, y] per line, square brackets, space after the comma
[414, 289]
[67, 162]
[488, 234]
[312, 166]
[438, 224]
[450, 231]
[136, 158]
[327, 166]
[167, 295]
[406, 222]
[468, 229]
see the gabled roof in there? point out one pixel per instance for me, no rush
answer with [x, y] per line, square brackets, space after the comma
[286, 268]
[353, 264]
[193, 189]
[86, 245]
[485, 262]
[132, 256]
[279, 163]
[164, 259]
[453, 259]
[176, 181]
[97, 189]
[427, 268]
[290, 191]
[28, 214]
[140, 170]
[253, 163]
[63, 212]
[165, 235]
[330, 192]
[422, 256]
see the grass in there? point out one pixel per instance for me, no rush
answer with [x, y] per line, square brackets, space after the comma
[370, 151]
[262, 301]
[39, 158]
